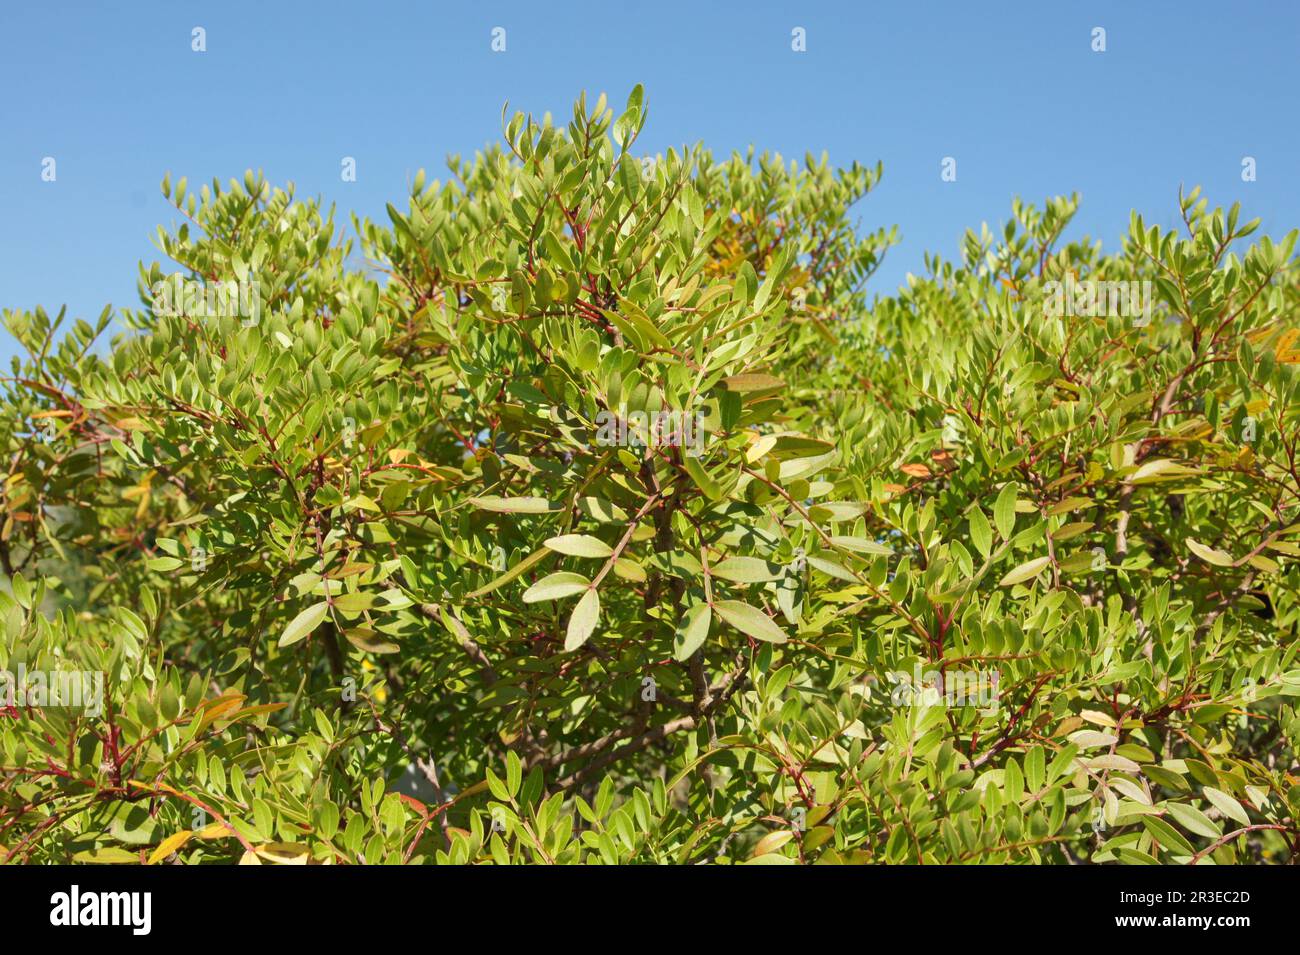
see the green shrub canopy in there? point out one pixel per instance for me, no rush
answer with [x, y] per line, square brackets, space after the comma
[588, 511]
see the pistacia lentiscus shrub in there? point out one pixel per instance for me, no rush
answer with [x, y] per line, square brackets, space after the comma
[587, 511]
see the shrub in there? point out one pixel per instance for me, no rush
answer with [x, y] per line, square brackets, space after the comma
[595, 515]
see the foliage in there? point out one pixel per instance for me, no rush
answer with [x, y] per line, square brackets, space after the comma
[390, 520]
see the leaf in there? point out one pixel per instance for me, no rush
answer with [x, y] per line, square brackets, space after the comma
[368, 641]
[692, 631]
[355, 602]
[556, 586]
[745, 570]
[830, 568]
[760, 447]
[523, 566]
[861, 545]
[360, 502]
[1035, 768]
[1209, 554]
[1069, 531]
[1169, 837]
[579, 545]
[1193, 820]
[1226, 805]
[771, 858]
[748, 384]
[170, 845]
[629, 570]
[514, 505]
[303, 624]
[1266, 564]
[169, 703]
[750, 621]
[771, 842]
[1026, 571]
[1098, 718]
[712, 490]
[1069, 504]
[1161, 469]
[583, 620]
[284, 853]
[1004, 510]
[981, 534]
[1113, 761]
[108, 855]
[514, 773]
[630, 319]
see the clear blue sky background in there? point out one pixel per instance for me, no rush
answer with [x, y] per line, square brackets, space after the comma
[1012, 90]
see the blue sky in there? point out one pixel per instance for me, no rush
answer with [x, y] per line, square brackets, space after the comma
[113, 91]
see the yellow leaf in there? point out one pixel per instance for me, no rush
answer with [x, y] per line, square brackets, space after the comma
[1284, 350]
[215, 830]
[170, 845]
[284, 853]
[771, 842]
[760, 448]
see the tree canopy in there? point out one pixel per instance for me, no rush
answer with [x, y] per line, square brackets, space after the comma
[589, 510]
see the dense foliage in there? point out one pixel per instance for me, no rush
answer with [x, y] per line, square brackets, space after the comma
[588, 510]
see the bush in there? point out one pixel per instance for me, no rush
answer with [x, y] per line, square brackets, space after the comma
[597, 516]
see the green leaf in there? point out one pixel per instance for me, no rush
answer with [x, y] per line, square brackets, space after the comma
[692, 631]
[981, 534]
[556, 586]
[169, 703]
[303, 624]
[712, 490]
[1226, 805]
[861, 545]
[514, 773]
[107, 855]
[750, 621]
[1004, 510]
[583, 620]
[1168, 836]
[579, 545]
[368, 641]
[514, 505]
[496, 786]
[1209, 554]
[1193, 820]
[1026, 571]
[1035, 768]
[355, 602]
[831, 568]
[520, 568]
[745, 570]
[1160, 469]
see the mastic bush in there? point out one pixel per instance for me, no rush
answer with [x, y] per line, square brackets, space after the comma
[589, 510]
